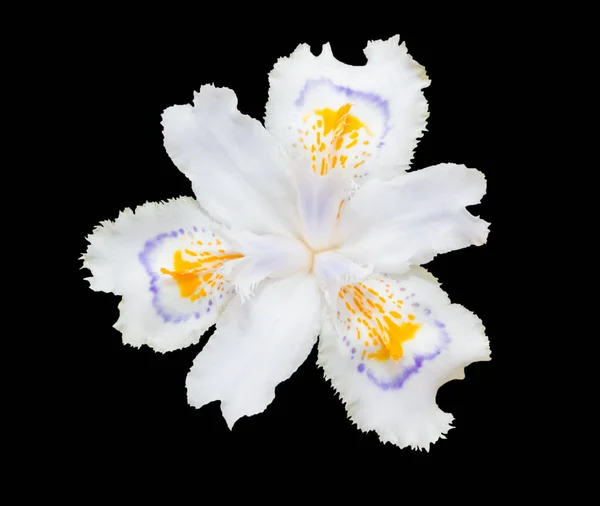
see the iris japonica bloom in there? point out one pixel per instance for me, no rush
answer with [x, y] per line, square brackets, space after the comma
[306, 229]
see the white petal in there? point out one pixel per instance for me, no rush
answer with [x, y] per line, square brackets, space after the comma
[165, 262]
[238, 171]
[256, 346]
[396, 398]
[413, 217]
[364, 119]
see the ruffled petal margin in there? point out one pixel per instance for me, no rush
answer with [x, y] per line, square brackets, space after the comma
[391, 343]
[168, 265]
[364, 120]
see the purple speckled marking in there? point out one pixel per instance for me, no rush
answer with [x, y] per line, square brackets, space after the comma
[353, 350]
[360, 367]
[351, 94]
[144, 257]
[398, 381]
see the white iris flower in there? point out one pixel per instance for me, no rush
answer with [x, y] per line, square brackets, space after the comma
[307, 230]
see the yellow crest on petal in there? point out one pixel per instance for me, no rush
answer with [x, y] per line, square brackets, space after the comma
[335, 138]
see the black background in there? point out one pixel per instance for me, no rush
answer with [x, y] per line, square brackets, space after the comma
[128, 405]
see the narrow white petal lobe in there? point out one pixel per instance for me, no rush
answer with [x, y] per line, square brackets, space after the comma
[410, 219]
[257, 345]
[237, 169]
